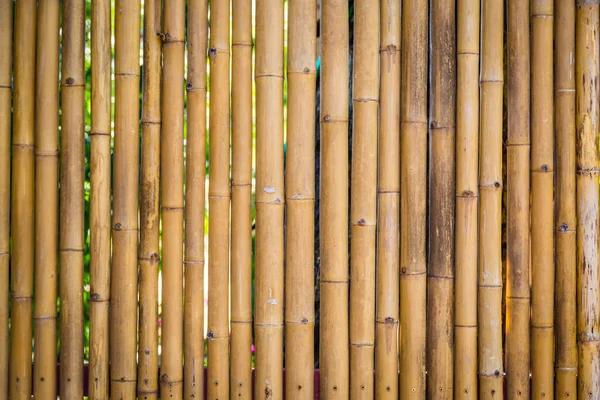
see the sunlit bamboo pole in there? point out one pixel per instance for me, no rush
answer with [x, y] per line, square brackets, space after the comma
[413, 195]
[565, 208]
[46, 204]
[72, 200]
[588, 301]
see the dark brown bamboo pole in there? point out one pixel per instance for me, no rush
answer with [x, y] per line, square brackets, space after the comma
[71, 200]
[467, 198]
[566, 239]
[269, 282]
[490, 356]
[300, 199]
[388, 198]
[241, 202]
[588, 301]
[46, 194]
[193, 373]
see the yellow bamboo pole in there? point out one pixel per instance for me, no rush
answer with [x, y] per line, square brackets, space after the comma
[565, 208]
[46, 205]
[71, 200]
[413, 203]
[491, 372]
[588, 301]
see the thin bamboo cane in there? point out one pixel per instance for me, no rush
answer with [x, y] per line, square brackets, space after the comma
[268, 327]
[71, 200]
[149, 258]
[542, 193]
[46, 193]
[193, 373]
[491, 374]
[241, 202]
[363, 213]
[413, 203]
[467, 198]
[300, 184]
[334, 354]
[588, 301]
[388, 198]
[565, 208]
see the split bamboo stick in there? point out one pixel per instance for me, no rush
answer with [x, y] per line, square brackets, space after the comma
[388, 198]
[334, 354]
[467, 198]
[241, 202]
[413, 203]
[542, 193]
[46, 194]
[72, 200]
[300, 199]
[491, 372]
[588, 218]
[565, 208]
[268, 327]
[219, 202]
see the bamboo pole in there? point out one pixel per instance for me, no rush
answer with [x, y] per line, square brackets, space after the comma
[440, 277]
[300, 200]
[193, 373]
[491, 372]
[467, 198]
[588, 302]
[149, 256]
[542, 193]
[565, 208]
[363, 213]
[46, 194]
[71, 200]
[413, 203]
[388, 198]
[334, 354]
[268, 326]
[241, 202]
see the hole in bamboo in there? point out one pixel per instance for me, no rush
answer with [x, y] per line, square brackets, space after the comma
[362, 387]
[413, 390]
[497, 184]
[388, 388]
[299, 387]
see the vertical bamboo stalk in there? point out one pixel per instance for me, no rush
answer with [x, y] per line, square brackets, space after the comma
[46, 205]
[565, 208]
[440, 277]
[388, 198]
[241, 202]
[300, 199]
[588, 301]
[467, 198]
[491, 373]
[71, 200]
[193, 373]
[542, 193]
[268, 326]
[363, 213]
[413, 203]
[334, 354]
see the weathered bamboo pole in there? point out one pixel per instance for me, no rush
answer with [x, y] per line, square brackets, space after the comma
[467, 198]
[300, 199]
[193, 373]
[388, 198]
[413, 199]
[588, 217]
[268, 323]
[334, 353]
[241, 202]
[542, 194]
[565, 208]
[71, 200]
[46, 195]
[491, 372]
[363, 212]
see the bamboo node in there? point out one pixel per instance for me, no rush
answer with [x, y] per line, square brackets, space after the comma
[366, 100]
